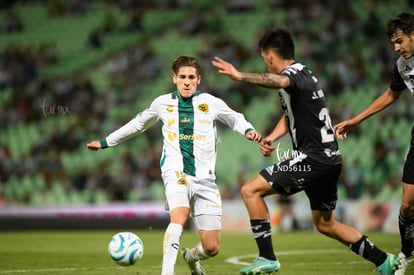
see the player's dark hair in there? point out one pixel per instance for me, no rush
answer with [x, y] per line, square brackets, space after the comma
[404, 22]
[279, 40]
[183, 61]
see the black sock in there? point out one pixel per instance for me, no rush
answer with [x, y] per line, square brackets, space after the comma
[365, 248]
[263, 236]
[406, 225]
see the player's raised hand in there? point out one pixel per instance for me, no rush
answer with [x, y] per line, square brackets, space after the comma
[226, 68]
[341, 129]
[254, 136]
[94, 145]
[266, 147]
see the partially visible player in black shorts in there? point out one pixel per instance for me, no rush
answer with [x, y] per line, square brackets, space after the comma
[400, 31]
[408, 171]
[316, 160]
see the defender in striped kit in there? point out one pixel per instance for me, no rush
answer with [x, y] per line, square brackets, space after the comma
[188, 160]
[315, 165]
[400, 31]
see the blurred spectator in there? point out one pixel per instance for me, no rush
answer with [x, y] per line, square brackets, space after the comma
[135, 22]
[380, 172]
[51, 166]
[392, 144]
[95, 39]
[47, 54]
[288, 221]
[5, 159]
[353, 180]
[232, 190]
[12, 23]
[79, 179]
[235, 6]
[380, 160]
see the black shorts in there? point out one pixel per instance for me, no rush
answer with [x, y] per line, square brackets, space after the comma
[408, 171]
[319, 181]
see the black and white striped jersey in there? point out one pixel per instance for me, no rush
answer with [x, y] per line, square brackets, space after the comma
[403, 75]
[308, 116]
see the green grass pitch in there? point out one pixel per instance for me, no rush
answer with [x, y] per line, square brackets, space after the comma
[85, 252]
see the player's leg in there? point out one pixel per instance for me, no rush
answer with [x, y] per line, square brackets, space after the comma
[406, 214]
[253, 193]
[172, 236]
[206, 213]
[179, 206]
[209, 229]
[322, 194]
[326, 224]
[210, 234]
[406, 219]
[406, 225]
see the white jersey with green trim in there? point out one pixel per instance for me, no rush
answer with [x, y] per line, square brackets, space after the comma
[189, 131]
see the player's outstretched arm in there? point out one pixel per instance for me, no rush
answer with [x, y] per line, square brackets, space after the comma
[254, 136]
[387, 98]
[94, 145]
[279, 131]
[226, 68]
[341, 129]
[267, 80]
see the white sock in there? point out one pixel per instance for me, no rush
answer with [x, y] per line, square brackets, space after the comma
[171, 245]
[197, 253]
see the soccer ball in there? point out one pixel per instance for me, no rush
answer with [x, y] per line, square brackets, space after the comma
[125, 248]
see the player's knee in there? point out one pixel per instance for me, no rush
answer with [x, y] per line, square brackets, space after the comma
[245, 192]
[179, 215]
[211, 250]
[407, 209]
[324, 228]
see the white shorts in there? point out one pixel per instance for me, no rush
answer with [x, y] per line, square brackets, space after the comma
[207, 222]
[201, 195]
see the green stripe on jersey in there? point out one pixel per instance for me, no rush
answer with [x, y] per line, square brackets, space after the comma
[186, 137]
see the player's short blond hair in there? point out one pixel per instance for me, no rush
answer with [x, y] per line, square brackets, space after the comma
[184, 61]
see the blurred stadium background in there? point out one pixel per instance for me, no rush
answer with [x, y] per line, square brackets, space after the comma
[73, 70]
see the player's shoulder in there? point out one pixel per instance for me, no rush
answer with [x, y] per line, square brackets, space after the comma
[404, 64]
[166, 97]
[293, 68]
[210, 101]
[207, 96]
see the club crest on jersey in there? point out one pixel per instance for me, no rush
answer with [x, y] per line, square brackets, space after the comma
[172, 136]
[185, 120]
[287, 189]
[171, 122]
[182, 181]
[203, 107]
[170, 109]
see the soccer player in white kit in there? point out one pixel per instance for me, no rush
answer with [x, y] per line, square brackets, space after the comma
[188, 160]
